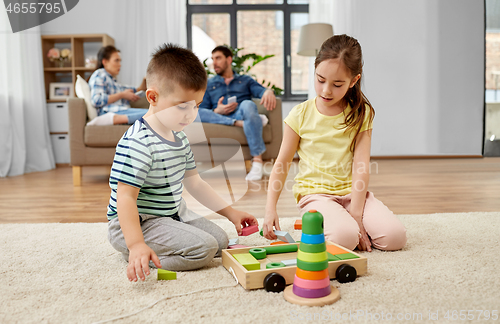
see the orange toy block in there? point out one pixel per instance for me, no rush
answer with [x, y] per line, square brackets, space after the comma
[278, 242]
[298, 224]
[333, 250]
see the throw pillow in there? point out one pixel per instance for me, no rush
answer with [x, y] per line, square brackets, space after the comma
[82, 90]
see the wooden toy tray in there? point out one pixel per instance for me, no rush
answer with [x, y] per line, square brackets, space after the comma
[254, 279]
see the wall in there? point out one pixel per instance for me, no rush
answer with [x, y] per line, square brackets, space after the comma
[424, 71]
[424, 66]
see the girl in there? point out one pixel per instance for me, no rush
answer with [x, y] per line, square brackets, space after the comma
[332, 135]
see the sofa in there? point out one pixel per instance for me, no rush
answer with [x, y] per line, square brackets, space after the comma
[95, 145]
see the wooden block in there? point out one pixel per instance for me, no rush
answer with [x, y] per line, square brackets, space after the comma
[284, 236]
[334, 250]
[247, 260]
[291, 262]
[166, 275]
[278, 242]
[249, 230]
[233, 241]
[332, 257]
[273, 265]
[346, 256]
[298, 224]
[237, 246]
[281, 248]
[258, 253]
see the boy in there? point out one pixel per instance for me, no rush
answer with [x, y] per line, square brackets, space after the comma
[148, 219]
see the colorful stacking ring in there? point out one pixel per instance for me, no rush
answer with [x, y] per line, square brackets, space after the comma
[311, 284]
[312, 238]
[312, 266]
[312, 257]
[311, 275]
[311, 293]
[312, 248]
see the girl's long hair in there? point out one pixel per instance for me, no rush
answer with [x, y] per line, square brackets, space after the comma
[348, 51]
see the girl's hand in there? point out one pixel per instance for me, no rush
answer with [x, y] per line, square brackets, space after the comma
[271, 219]
[138, 261]
[364, 241]
[241, 218]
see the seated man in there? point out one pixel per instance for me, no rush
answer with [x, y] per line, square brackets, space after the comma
[215, 108]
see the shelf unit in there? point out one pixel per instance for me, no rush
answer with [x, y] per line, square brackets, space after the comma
[76, 43]
[81, 46]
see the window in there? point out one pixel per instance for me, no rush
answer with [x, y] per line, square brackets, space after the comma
[263, 27]
[492, 50]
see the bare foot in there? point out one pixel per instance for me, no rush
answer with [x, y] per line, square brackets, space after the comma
[238, 123]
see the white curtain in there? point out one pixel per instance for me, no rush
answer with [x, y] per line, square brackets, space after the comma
[24, 132]
[147, 27]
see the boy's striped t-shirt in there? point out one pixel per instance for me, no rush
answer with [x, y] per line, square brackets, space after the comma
[156, 166]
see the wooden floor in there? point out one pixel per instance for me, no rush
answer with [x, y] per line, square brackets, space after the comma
[419, 186]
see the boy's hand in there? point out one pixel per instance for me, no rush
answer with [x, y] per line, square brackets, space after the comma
[271, 219]
[138, 261]
[241, 218]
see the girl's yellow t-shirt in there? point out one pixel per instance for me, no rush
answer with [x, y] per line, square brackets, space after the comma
[325, 164]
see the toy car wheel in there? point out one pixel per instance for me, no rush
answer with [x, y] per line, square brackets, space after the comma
[345, 273]
[274, 282]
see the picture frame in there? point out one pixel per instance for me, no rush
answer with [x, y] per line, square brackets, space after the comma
[61, 90]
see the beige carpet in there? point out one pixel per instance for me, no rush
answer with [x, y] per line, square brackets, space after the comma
[68, 273]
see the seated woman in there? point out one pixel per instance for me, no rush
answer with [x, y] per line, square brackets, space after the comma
[112, 99]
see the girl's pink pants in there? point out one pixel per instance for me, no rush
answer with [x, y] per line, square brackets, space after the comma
[384, 229]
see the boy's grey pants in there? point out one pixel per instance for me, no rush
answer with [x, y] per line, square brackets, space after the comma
[180, 245]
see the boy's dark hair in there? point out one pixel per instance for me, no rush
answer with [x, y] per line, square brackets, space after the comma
[171, 64]
[224, 50]
[105, 53]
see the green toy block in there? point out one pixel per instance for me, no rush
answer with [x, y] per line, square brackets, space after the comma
[166, 275]
[247, 260]
[281, 248]
[346, 256]
[332, 257]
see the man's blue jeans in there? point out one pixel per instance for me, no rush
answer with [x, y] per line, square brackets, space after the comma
[252, 124]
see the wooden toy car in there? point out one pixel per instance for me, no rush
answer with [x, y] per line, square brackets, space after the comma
[276, 279]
